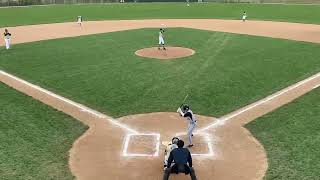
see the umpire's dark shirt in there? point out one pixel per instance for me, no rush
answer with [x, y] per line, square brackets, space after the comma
[180, 156]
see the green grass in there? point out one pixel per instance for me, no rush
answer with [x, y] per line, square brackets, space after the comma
[35, 139]
[63, 13]
[228, 71]
[291, 137]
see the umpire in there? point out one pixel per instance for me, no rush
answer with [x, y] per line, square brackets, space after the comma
[182, 162]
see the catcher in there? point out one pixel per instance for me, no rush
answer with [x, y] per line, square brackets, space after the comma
[185, 111]
[171, 146]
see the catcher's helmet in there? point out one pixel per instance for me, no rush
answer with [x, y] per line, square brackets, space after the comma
[175, 140]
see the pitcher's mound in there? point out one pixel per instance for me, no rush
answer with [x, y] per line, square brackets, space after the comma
[169, 53]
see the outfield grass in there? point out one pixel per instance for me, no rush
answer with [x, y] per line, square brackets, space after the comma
[227, 72]
[291, 137]
[64, 13]
[35, 139]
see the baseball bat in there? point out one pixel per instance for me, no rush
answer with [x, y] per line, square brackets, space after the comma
[184, 100]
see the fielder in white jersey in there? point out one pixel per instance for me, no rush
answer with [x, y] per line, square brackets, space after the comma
[186, 112]
[168, 149]
[161, 39]
[79, 20]
[7, 38]
[244, 16]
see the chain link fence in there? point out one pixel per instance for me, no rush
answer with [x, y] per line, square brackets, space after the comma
[47, 2]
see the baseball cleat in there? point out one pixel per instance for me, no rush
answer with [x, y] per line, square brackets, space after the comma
[190, 145]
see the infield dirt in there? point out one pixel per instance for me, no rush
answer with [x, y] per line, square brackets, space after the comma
[97, 154]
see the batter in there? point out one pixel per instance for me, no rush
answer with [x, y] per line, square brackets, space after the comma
[188, 114]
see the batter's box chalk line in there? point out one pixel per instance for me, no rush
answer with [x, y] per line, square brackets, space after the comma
[156, 137]
[207, 138]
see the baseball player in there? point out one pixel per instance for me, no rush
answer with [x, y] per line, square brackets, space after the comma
[168, 149]
[7, 38]
[79, 20]
[186, 112]
[244, 16]
[161, 39]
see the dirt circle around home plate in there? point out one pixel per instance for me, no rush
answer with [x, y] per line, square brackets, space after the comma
[165, 54]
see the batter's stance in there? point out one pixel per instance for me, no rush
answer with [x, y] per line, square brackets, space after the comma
[161, 39]
[7, 37]
[186, 112]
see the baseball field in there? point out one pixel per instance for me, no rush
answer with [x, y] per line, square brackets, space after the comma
[77, 102]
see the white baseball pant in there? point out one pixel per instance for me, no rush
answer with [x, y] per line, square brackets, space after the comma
[7, 41]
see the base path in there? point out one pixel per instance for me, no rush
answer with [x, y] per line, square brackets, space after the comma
[225, 150]
[283, 30]
[98, 153]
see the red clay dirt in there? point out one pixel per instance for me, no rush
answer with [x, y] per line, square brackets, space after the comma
[282, 30]
[169, 53]
[97, 153]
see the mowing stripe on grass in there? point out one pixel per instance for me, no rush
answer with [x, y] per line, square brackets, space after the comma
[80, 106]
[283, 92]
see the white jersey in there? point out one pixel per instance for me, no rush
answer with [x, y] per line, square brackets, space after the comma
[161, 39]
[160, 35]
[7, 35]
[244, 16]
[79, 19]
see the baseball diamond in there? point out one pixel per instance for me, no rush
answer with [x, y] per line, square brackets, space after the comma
[109, 91]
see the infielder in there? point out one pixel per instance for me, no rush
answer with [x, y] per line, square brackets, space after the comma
[161, 39]
[168, 149]
[244, 16]
[186, 112]
[7, 37]
[79, 20]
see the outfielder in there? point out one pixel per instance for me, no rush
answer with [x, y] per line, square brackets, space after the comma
[7, 38]
[168, 149]
[161, 39]
[186, 112]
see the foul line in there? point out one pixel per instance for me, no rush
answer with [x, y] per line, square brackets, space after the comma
[80, 106]
[131, 132]
[222, 120]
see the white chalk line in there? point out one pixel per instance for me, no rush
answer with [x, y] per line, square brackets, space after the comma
[218, 122]
[208, 140]
[80, 106]
[221, 121]
[131, 132]
[95, 113]
[315, 87]
[126, 145]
